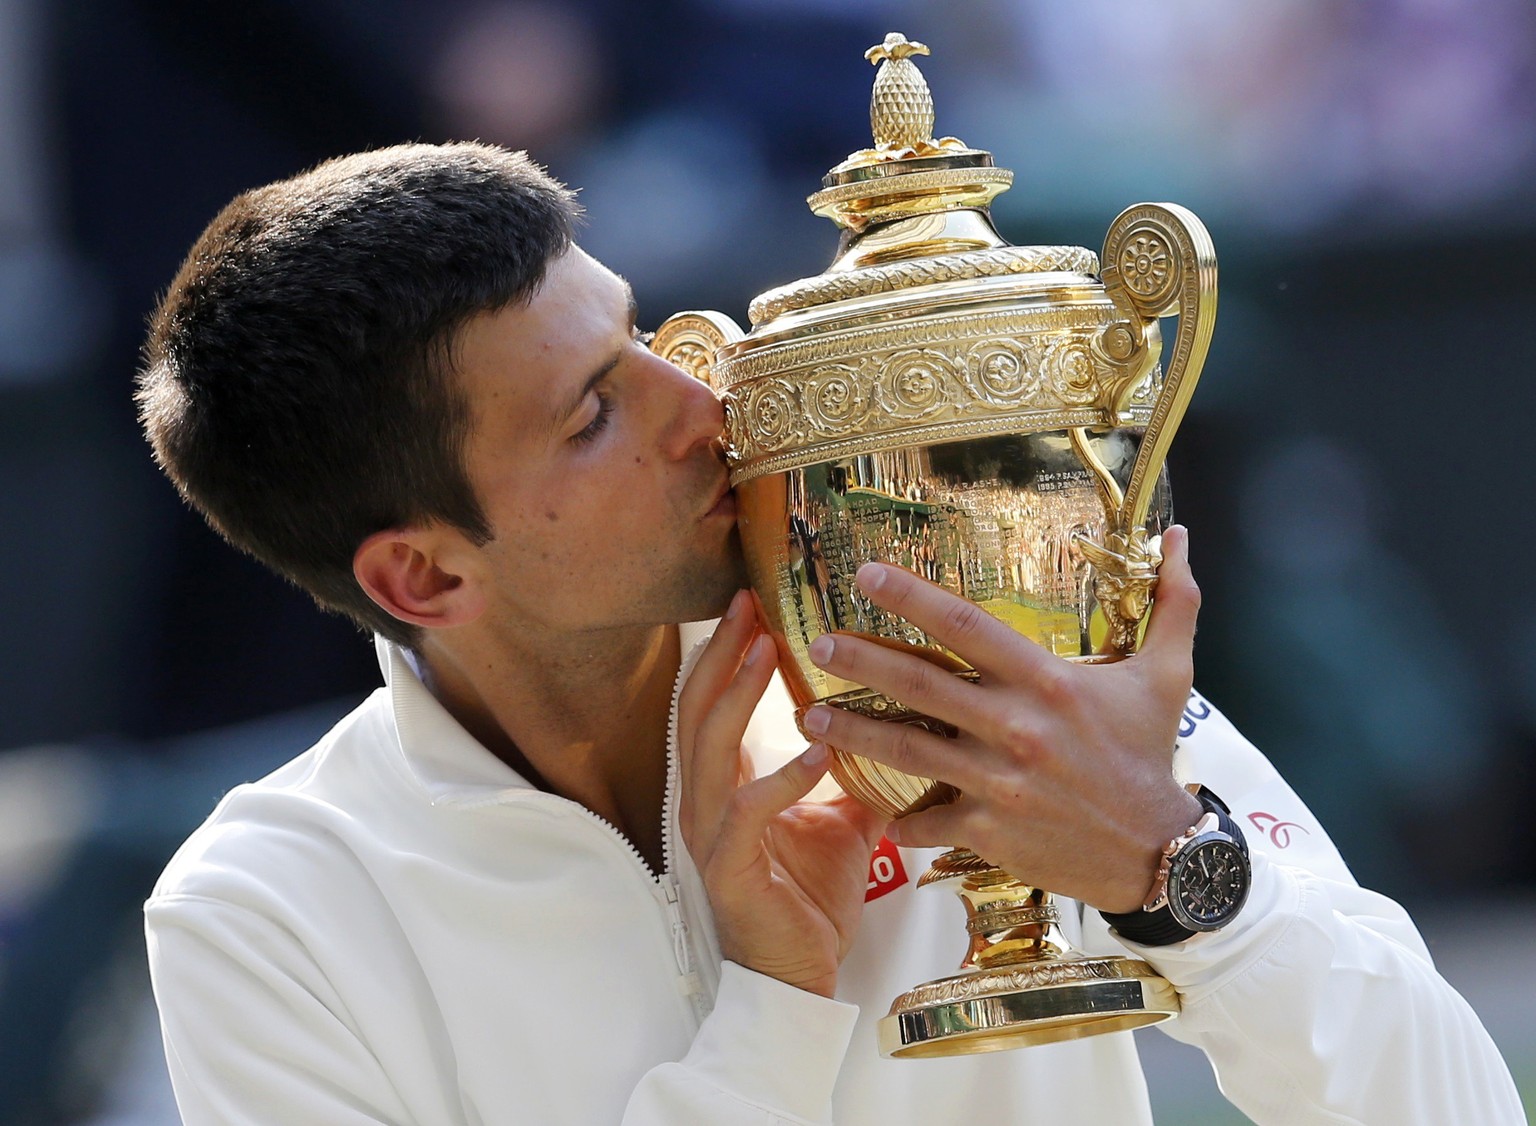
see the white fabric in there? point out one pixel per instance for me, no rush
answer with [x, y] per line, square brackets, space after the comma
[397, 928]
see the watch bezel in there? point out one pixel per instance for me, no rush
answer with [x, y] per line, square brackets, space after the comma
[1181, 864]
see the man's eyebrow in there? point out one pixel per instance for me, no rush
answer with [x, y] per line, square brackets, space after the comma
[631, 306]
[568, 407]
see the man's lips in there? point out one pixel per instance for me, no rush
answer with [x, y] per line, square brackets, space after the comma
[725, 504]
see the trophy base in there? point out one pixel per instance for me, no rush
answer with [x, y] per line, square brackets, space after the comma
[1019, 1006]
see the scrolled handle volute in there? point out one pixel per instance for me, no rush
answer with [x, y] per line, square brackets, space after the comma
[691, 340]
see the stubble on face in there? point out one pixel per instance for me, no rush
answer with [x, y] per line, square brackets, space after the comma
[694, 577]
[704, 592]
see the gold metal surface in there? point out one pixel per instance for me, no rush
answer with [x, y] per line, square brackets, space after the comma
[901, 108]
[995, 418]
[999, 520]
[1019, 1007]
[1020, 983]
[936, 269]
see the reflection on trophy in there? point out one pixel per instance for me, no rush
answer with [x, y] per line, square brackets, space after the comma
[994, 418]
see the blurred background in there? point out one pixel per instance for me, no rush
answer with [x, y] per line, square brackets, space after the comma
[1351, 470]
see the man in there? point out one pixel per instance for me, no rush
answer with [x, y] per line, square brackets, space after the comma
[533, 877]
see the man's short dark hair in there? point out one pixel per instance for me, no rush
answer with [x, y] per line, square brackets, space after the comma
[298, 377]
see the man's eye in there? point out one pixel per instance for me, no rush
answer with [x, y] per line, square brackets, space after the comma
[598, 424]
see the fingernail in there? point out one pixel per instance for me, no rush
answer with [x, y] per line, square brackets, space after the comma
[871, 577]
[815, 754]
[822, 648]
[735, 607]
[818, 719]
[756, 650]
[1184, 544]
[893, 833]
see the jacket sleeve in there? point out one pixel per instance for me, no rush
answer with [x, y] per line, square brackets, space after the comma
[255, 1033]
[768, 1054]
[1319, 1003]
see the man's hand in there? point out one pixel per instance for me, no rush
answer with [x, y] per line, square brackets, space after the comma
[1065, 770]
[786, 878]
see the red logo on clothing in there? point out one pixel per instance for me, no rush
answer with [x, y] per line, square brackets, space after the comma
[1279, 831]
[886, 872]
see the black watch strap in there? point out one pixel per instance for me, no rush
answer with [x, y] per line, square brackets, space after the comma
[1149, 928]
[1160, 928]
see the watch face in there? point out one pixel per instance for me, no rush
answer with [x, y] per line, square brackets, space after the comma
[1208, 882]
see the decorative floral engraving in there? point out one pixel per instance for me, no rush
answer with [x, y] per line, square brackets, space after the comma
[915, 383]
[924, 332]
[864, 196]
[998, 371]
[985, 922]
[745, 466]
[1070, 367]
[1016, 979]
[967, 375]
[867, 702]
[834, 399]
[771, 414]
[693, 358]
[735, 433]
[1145, 264]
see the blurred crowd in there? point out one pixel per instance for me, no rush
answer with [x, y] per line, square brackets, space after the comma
[1349, 469]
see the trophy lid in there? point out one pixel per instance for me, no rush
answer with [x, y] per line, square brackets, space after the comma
[908, 171]
[913, 208]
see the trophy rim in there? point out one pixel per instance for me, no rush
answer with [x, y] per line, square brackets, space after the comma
[1024, 1006]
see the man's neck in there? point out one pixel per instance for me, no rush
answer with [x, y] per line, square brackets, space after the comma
[585, 718]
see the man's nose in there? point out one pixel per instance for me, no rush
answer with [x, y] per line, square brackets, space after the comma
[696, 416]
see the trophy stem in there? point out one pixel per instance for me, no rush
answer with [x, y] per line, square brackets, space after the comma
[1021, 983]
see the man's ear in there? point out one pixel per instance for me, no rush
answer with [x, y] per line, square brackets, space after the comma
[420, 576]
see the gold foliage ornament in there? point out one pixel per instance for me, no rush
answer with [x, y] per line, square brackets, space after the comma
[901, 106]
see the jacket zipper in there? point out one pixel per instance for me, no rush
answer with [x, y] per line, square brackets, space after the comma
[689, 981]
[682, 950]
[682, 946]
[685, 666]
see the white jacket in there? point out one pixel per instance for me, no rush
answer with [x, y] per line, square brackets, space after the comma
[395, 927]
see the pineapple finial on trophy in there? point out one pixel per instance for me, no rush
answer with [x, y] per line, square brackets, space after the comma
[907, 171]
[900, 107]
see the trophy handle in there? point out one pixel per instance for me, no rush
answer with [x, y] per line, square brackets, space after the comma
[1158, 261]
[692, 339]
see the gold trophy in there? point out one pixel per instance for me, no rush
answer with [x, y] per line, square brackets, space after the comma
[994, 418]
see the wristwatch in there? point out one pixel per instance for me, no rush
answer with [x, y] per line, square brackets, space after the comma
[1200, 886]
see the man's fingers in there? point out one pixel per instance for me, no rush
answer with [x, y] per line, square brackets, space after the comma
[716, 665]
[751, 807]
[902, 672]
[713, 770]
[954, 622]
[870, 823]
[929, 828]
[959, 824]
[1170, 634]
[901, 746]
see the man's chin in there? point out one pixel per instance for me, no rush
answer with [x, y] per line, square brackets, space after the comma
[708, 595]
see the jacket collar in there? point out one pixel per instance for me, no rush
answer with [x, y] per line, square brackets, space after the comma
[448, 764]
